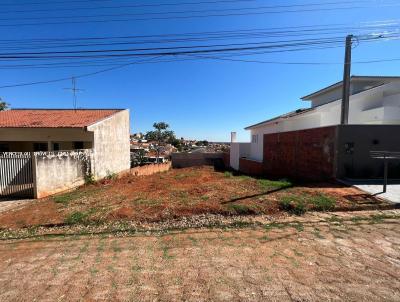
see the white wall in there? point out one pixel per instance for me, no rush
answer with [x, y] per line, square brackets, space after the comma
[56, 172]
[237, 151]
[111, 144]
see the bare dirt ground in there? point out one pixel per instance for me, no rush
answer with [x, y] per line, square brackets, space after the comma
[322, 257]
[182, 193]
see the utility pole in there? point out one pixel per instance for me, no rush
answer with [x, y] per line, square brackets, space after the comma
[74, 91]
[344, 118]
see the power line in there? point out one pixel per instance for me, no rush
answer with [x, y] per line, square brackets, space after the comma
[76, 77]
[270, 30]
[239, 35]
[94, 1]
[179, 4]
[180, 17]
[179, 50]
[296, 42]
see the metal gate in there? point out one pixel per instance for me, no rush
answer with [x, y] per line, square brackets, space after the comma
[16, 175]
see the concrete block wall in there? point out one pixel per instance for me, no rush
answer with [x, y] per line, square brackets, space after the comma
[55, 172]
[150, 169]
[304, 154]
[184, 160]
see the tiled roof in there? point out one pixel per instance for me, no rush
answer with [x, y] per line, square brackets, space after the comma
[53, 118]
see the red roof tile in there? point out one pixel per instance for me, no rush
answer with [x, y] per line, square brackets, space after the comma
[57, 118]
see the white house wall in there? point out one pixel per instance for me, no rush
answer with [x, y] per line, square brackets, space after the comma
[111, 144]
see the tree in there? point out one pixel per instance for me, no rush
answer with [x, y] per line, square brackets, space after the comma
[202, 143]
[138, 158]
[161, 136]
[3, 105]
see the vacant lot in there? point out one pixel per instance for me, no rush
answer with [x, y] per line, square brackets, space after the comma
[341, 258]
[179, 193]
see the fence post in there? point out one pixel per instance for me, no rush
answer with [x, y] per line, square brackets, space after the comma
[34, 175]
[385, 174]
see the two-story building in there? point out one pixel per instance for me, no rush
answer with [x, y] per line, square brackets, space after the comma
[374, 114]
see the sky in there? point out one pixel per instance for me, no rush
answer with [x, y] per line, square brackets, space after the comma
[200, 99]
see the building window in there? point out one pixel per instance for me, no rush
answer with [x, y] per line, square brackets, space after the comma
[56, 146]
[39, 147]
[254, 138]
[78, 145]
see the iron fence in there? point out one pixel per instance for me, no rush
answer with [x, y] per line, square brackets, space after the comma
[16, 174]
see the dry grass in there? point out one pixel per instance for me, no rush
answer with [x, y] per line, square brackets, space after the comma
[179, 193]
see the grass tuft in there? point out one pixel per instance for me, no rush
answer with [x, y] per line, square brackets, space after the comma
[322, 202]
[228, 174]
[241, 209]
[293, 204]
[76, 218]
[274, 184]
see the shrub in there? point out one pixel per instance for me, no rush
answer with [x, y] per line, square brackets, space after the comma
[299, 208]
[293, 204]
[322, 202]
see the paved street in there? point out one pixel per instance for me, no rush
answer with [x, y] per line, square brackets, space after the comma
[352, 259]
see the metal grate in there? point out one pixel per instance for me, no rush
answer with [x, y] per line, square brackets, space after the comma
[16, 175]
[385, 154]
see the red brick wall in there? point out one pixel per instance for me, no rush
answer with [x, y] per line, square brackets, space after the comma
[250, 167]
[304, 154]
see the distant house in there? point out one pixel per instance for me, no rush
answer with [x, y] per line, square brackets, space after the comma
[374, 114]
[104, 133]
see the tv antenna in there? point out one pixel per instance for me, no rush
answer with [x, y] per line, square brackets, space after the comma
[74, 92]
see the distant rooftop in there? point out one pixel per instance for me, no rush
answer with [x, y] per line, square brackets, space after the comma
[53, 118]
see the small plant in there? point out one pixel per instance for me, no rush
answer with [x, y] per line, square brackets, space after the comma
[76, 218]
[322, 202]
[293, 204]
[111, 176]
[228, 174]
[299, 208]
[89, 179]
